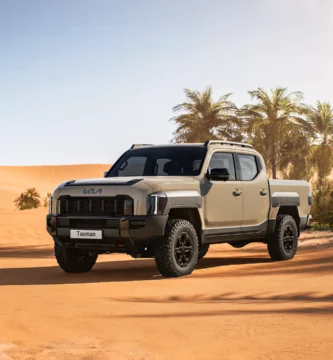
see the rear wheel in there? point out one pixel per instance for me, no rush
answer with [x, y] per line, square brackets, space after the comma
[73, 260]
[283, 244]
[176, 253]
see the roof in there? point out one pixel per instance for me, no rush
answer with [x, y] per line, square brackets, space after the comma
[206, 144]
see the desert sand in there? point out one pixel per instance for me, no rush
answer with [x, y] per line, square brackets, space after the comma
[16, 179]
[237, 304]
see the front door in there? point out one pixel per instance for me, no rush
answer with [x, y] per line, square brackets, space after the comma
[223, 200]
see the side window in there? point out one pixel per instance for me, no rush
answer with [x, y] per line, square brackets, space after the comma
[248, 166]
[223, 160]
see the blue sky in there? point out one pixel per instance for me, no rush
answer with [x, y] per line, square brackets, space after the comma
[80, 81]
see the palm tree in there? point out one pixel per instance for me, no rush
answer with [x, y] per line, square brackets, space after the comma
[33, 197]
[19, 201]
[266, 118]
[47, 199]
[203, 119]
[30, 199]
[319, 125]
[295, 141]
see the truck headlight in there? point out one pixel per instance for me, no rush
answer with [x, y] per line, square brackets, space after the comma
[156, 204]
[50, 204]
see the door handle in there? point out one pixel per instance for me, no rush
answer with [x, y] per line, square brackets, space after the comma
[263, 192]
[236, 192]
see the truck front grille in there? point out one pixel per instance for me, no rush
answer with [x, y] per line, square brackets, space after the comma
[110, 206]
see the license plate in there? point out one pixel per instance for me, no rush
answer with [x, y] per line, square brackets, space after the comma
[86, 234]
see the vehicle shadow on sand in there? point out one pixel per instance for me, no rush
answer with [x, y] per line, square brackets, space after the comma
[111, 271]
[119, 270]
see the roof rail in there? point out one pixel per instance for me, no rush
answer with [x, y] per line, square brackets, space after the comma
[134, 146]
[232, 143]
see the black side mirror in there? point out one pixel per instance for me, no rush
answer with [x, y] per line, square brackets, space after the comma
[218, 174]
[105, 173]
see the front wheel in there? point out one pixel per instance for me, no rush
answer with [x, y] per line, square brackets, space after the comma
[283, 244]
[73, 260]
[176, 253]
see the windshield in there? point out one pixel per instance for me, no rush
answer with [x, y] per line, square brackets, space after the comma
[160, 161]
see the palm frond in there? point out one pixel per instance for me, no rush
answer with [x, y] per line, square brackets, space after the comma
[203, 118]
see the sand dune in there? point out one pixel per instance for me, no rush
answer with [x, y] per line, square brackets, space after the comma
[15, 179]
[237, 305]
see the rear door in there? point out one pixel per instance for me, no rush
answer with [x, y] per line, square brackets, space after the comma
[256, 201]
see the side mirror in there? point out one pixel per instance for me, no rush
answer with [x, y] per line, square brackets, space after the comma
[105, 173]
[218, 174]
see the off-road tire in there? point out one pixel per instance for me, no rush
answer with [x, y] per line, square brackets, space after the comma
[74, 260]
[279, 245]
[203, 251]
[167, 261]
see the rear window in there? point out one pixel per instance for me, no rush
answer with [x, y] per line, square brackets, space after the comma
[248, 166]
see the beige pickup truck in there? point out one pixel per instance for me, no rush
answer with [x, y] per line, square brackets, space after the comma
[171, 202]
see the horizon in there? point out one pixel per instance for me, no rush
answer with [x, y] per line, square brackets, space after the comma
[81, 84]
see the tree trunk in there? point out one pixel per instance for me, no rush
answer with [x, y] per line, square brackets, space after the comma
[273, 161]
[273, 150]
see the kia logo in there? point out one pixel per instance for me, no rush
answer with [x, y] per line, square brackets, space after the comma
[92, 191]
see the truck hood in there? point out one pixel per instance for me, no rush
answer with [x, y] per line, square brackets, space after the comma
[152, 182]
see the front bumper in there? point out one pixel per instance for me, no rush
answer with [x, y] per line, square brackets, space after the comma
[125, 234]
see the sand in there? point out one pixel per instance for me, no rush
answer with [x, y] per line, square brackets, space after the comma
[237, 304]
[16, 179]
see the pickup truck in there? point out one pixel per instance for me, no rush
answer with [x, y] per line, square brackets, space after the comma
[171, 202]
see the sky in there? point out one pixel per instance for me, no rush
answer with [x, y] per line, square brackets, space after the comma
[81, 81]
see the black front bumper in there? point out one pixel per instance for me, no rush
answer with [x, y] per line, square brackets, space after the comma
[125, 234]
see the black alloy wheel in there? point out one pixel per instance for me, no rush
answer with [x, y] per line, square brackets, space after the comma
[183, 249]
[288, 239]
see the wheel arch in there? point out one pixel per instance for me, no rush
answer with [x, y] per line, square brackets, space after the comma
[293, 212]
[190, 214]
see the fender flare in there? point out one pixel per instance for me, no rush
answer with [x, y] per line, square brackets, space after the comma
[182, 199]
